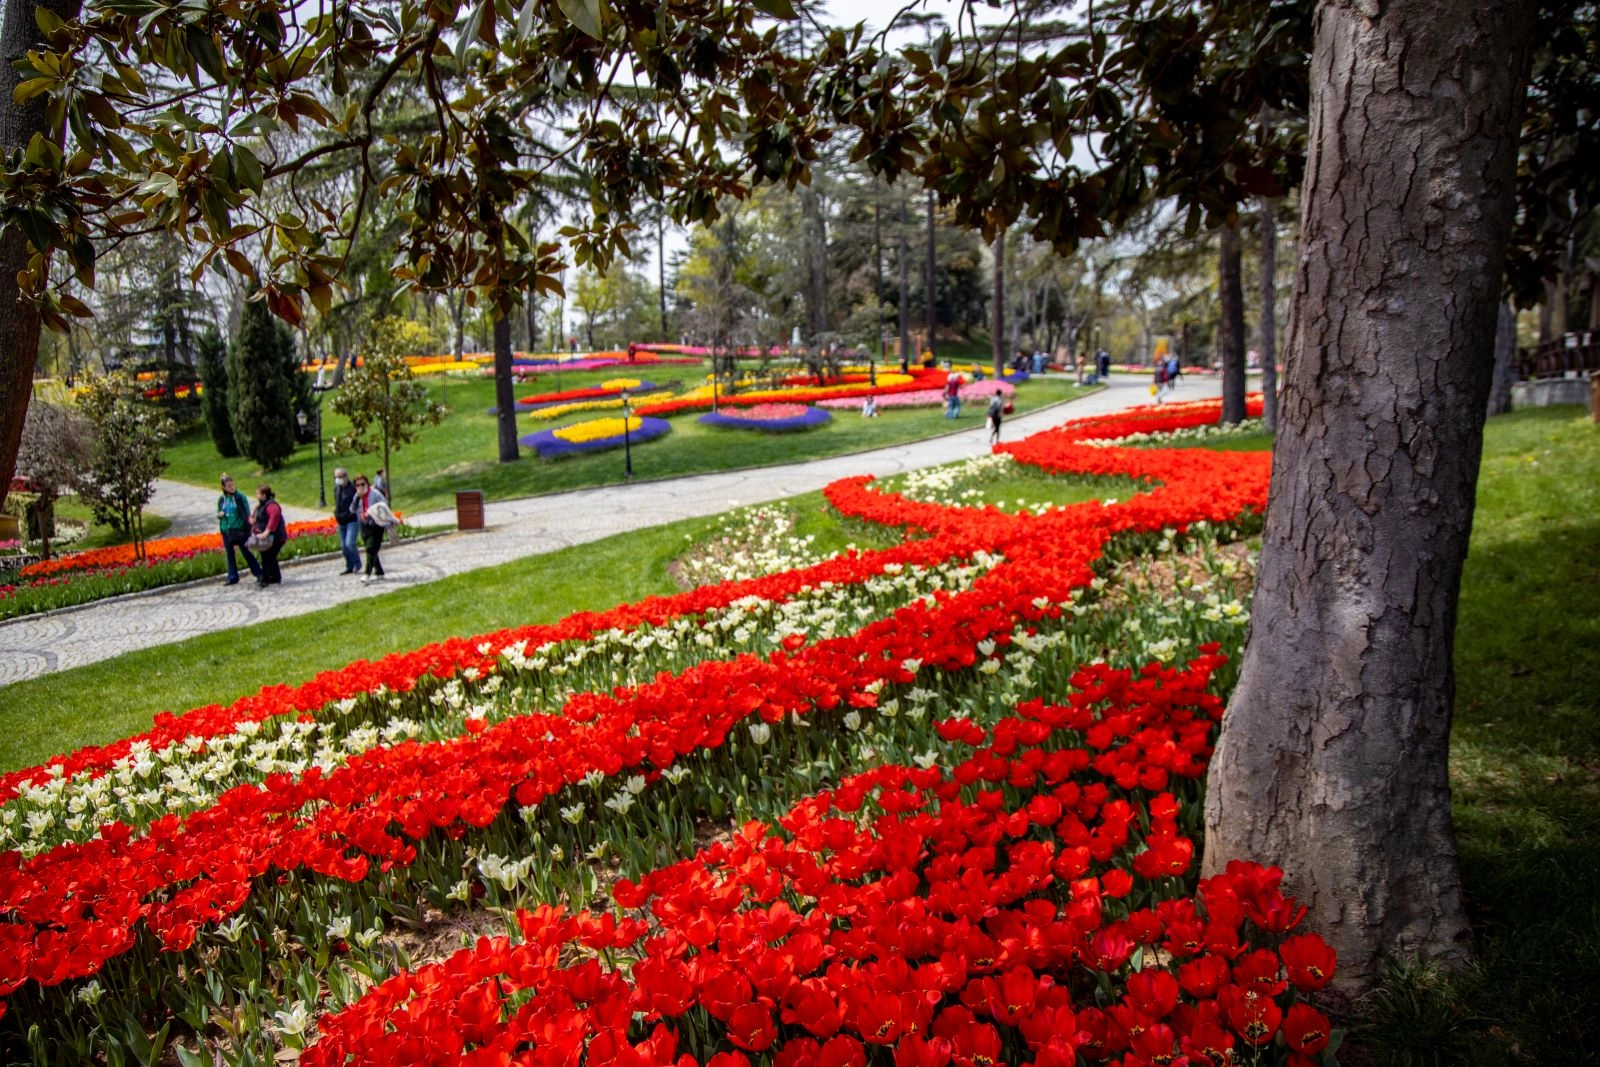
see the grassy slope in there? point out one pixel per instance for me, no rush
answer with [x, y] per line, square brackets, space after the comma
[1525, 764]
[460, 452]
[1525, 752]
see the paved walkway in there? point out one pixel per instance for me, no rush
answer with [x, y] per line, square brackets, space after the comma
[37, 645]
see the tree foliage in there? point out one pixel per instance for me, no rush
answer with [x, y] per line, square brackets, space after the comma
[212, 359]
[383, 400]
[58, 447]
[126, 457]
[261, 387]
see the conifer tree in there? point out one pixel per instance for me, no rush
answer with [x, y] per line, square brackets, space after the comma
[213, 367]
[261, 399]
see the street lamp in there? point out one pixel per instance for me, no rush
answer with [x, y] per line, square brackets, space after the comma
[300, 420]
[627, 437]
[322, 483]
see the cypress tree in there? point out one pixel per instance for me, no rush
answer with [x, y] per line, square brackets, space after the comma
[213, 360]
[260, 387]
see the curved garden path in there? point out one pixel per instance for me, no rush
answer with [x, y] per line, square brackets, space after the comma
[39, 644]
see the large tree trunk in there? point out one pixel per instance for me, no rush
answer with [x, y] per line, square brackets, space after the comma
[19, 320]
[505, 402]
[1333, 756]
[1230, 331]
[999, 345]
[1269, 313]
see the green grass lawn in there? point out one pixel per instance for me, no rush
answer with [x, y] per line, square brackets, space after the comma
[460, 453]
[103, 536]
[1525, 764]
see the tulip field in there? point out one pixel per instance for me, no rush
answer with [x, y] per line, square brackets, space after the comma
[926, 805]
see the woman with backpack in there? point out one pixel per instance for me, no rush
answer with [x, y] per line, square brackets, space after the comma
[269, 527]
[233, 519]
[376, 518]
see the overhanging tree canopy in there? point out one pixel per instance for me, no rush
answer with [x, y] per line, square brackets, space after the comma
[198, 118]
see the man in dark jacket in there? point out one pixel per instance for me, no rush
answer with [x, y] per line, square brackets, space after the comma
[344, 513]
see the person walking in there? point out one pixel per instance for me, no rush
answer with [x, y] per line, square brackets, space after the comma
[233, 518]
[344, 513]
[269, 524]
[997, 408]
[372, 508]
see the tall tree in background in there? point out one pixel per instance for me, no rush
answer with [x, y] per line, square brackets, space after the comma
[214, 404]
[1334, 754]
[998, 325]
[261, 393]
[1230, 331]
[1269, 312]
[930, 279]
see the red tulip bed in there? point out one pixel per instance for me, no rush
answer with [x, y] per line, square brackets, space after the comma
[962, 841]
[80, 577]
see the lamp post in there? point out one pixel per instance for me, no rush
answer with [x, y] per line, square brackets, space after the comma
[627, 437]
[322, 483]
[316, 419]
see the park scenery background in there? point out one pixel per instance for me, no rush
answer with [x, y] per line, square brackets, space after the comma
[1160, 628]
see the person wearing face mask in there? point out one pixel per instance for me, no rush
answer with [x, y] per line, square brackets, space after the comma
[345, 514]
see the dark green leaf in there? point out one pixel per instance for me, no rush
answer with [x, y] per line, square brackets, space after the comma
[584, 14]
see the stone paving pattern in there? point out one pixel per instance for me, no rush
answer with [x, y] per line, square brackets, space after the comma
[37, 645]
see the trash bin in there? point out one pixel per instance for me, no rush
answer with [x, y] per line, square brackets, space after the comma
[469, 509]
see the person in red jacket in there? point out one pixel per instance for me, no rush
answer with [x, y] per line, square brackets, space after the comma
[268, 522]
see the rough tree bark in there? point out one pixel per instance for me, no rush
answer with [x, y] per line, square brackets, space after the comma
[1269, 313]
[1333, 757]
[505, 402]
[1230, 330]
[999, 346]
[19, 320]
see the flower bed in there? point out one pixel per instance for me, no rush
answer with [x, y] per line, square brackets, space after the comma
[772, 418]
[889, 383]
[268, 843]
[612, 388]
[948, 920]
[971, 392]
[596, 435]
[160, 549]
[167, 564]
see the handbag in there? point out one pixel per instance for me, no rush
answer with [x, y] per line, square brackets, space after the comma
[258, 542]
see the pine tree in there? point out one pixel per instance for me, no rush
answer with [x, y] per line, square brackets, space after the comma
[261, 398]
[213, 361]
